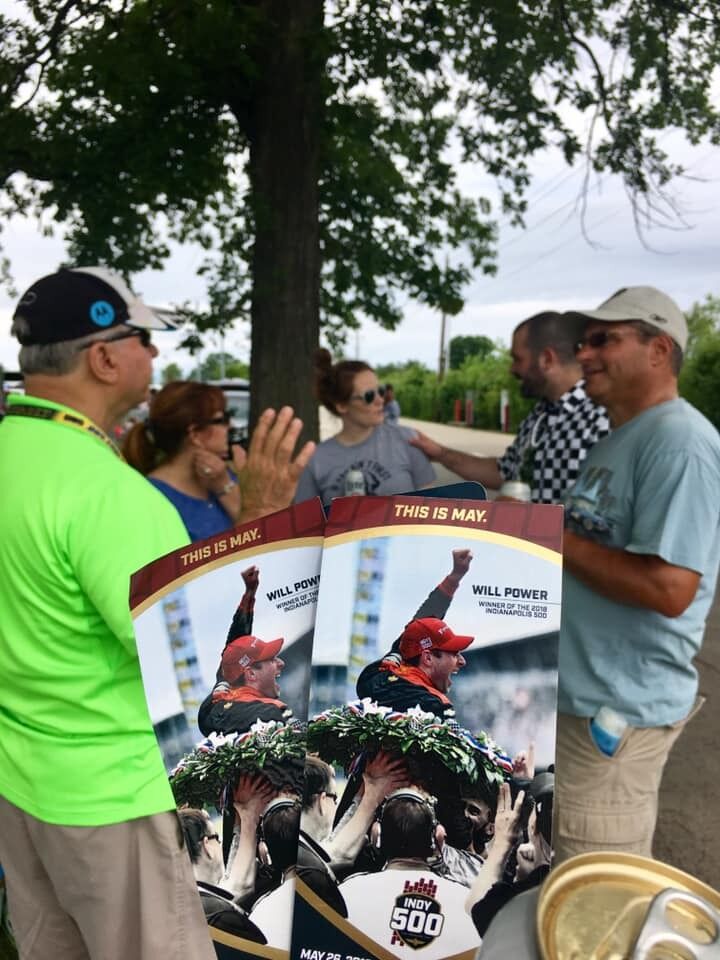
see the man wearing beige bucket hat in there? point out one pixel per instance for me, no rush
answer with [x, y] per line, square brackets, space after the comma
[641, 562]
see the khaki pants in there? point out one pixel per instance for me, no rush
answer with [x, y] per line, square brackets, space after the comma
[101, 893]
[609, 803]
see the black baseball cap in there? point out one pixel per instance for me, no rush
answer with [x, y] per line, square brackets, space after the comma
[74, 303]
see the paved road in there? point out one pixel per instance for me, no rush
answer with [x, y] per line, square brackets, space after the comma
[482, 442]
[688, 833]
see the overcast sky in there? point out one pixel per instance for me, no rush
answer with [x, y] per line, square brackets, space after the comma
[549, 265]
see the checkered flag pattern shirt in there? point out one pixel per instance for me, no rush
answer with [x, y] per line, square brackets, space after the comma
[558, 436]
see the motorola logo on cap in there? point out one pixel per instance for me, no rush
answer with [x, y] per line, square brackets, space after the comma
[102, 313]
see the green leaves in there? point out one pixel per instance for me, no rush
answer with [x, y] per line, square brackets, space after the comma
[700, 375]
[131, 125]
[435, 748]
[202, 776]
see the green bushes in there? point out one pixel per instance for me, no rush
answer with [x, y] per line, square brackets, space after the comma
[486, 374]
[700, 374]
[484, 377]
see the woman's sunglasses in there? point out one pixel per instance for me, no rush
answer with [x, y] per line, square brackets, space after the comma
[369, 395]
[220, 419]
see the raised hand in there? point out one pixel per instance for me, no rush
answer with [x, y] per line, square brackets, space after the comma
[461, 563]
[270, 476]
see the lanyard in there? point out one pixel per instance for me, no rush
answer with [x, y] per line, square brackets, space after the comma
[75, 420]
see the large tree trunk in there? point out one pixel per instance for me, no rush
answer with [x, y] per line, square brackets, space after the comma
[285, 132]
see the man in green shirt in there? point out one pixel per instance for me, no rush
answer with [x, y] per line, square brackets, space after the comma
[89, 839]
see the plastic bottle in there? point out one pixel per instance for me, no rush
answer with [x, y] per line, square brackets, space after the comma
[606, 729]
[516, 490]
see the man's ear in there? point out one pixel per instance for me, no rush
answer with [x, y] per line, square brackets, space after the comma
[426, 658]
[102, 362]
[662, 347]
[193, 434]
[547, 358]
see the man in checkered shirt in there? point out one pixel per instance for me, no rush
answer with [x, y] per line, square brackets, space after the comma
[554, 438]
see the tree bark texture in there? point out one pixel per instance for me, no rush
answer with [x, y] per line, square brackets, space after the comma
[285, 135]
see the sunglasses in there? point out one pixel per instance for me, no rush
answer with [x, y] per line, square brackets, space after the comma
[331, 796]
[220, 419]
[141, 333]
[213, 836]
[369, 395]
[599, 339]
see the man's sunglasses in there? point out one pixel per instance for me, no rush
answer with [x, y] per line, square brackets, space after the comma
[141, 333]
[213, 836]
[369, 395]
[599, 339]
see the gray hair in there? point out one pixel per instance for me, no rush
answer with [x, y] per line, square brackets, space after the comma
[55, 359]
[646, 331]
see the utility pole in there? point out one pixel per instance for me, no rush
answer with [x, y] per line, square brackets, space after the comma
[441, 362]
[443, 321]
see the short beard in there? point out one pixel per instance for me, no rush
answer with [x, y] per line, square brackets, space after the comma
[481, 836]
[533, 384]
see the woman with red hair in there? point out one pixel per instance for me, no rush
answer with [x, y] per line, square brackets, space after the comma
[182, 448]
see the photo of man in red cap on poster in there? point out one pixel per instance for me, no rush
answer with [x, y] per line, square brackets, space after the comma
[418, 669]
[247, 689]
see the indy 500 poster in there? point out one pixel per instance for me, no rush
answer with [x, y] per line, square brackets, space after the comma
[224, 630]
[431, 725]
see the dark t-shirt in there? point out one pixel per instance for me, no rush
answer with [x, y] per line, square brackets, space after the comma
[484, 911]
[313, 868]
[223, 914]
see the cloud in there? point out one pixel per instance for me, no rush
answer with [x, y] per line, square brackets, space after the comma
[549, 265]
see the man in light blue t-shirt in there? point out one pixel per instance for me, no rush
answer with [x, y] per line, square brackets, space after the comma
[641, 562]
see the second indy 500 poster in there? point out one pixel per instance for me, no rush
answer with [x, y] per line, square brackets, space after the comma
[224, 630]
[428, 794]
